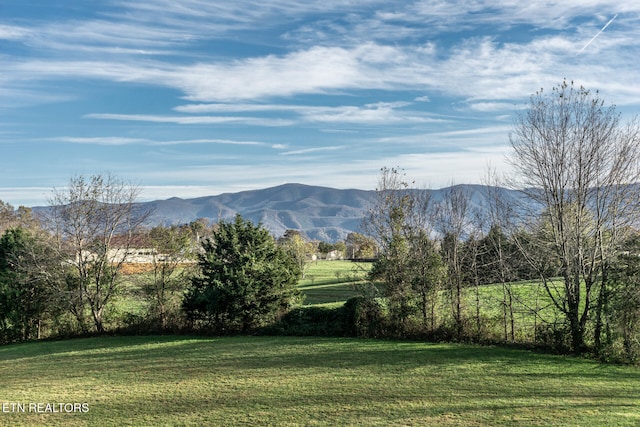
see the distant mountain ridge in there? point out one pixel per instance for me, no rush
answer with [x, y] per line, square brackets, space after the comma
[321, 213]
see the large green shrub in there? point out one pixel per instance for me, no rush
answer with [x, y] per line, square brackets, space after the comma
[245, 280]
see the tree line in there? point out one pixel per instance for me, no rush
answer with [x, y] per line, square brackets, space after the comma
[576, 166]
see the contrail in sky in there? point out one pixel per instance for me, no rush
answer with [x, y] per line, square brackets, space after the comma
[599, 32]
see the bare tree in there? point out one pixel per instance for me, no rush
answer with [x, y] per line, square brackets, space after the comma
[89, 217]
[408, 263]
[574, 160]
[500, 213]
[452, 221]
[171, 251]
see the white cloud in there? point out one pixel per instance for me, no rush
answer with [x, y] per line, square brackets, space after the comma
[234, 108]
[312, 150]
[455, 141]
[317, 70]
[479, 69]
[12, 32]
[104, 140]
[116, 140]
[429, 169]
[25, 196]
[189, 120]
[376, 113]
[491, 106]
[548, 14]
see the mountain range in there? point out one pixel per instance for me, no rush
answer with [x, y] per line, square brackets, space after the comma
[321, 213]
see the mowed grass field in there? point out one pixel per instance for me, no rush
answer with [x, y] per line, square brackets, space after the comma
[162, 381]
[330, 282]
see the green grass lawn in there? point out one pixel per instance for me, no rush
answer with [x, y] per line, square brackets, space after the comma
[531, 306]
[331, 281]
[309, 381]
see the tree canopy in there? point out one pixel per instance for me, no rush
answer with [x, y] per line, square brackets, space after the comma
[25, 295]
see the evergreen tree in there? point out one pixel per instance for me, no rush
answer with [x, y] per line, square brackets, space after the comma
[245, 279]
[24, 291]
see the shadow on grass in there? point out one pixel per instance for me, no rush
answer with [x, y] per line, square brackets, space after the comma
[84, 344]
[300, 380]
[250, 353]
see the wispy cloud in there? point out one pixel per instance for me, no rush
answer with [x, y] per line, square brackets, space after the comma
[106, 140]
[375, 113]
[114, 140]
[474, 68]
[189, 120]
[312, 150]
[13, 32]
[479, 69]
[491, 106]
[428, 169]
[235, 108]
[454, 141]
[316, 70]
[379, 113]
[27, 196]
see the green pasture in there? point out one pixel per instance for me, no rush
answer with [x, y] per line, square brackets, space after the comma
[331, 283]
[327, 282]
[532, 308]
[173, 381]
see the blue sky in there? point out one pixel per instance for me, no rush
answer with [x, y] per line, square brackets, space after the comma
[192, 97]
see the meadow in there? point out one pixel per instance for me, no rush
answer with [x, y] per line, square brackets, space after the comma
[169, 380]
[330, 282]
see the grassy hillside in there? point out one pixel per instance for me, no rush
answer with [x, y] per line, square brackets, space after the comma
[308, 381]
[330, 283]
[327, 282]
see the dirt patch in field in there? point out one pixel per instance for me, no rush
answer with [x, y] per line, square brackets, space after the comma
[139, 267]
[135, 268]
